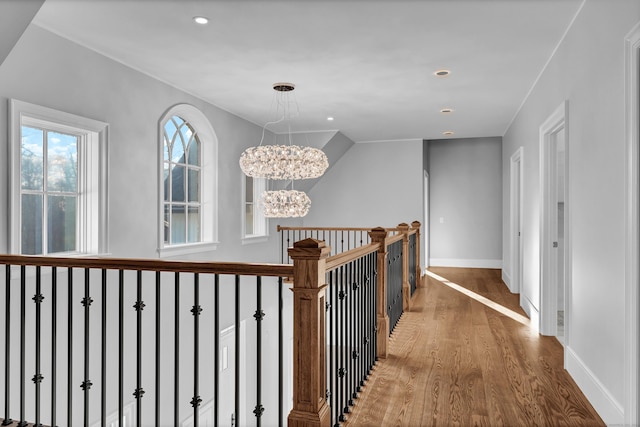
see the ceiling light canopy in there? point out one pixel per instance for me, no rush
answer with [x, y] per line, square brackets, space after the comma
[442, 73]
[447, 133]
[446, 110]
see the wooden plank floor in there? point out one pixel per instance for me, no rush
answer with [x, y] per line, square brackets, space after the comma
[454, 361]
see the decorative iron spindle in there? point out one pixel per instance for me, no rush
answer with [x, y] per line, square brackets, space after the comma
[196, 310]
[139, 391]
[216, 349]
[158, 346]
[280, 354]
[37, 378]
[22, 422]
[176, 350]
[236, 403]
[259, 316]
[54, 341]
[70, 347]
[120, 346]
[7, 340]
[103, 359]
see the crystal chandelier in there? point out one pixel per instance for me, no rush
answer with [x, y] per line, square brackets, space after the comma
[285, 203]
[284, 162]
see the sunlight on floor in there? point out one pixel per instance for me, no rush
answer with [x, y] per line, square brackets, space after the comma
[486, 301]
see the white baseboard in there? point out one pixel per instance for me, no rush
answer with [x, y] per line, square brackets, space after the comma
[506, 279]
[609, 409]
[532, 311]
[465, 263]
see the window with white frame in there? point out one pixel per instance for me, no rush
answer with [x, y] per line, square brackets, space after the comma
[254, 221]
[188, 214]
[58, 193]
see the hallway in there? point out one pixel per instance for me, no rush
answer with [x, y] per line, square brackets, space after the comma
[455, 361]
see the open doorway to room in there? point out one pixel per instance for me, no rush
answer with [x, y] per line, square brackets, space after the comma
[426, 220]
[554, 274]
[515, 280]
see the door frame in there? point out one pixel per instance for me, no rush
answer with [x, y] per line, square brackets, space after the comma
[632, 228]
[516, 187]
[426, 230]
[557, 121]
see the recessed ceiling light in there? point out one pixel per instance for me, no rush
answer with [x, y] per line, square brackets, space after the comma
[330, 119]
[442, 73]
[447, 133]
[446, 110]
[201, 20]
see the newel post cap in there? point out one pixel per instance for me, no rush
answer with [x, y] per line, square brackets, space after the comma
[416, 224]
[378, 234]
[309, 249]
[403, 226]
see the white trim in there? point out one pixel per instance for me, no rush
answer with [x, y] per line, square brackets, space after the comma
[209, 189]
[632, 228]
[390, 140]
[506, 278]
[94, 206]
[602, 400]
[544, 68]
[515, 224]
[557, 121]
[465, 263]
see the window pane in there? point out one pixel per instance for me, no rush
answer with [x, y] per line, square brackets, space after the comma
[61, 221]
[62, 161]
[177, 183]
[193, 157]
[167, 146]
[193, 185]
[193, 224]
[177, 153]
[31, 159]
[31, 220]
[248, 217]
[178, 224]
[248, 189]
[166, 182]
[166, 224]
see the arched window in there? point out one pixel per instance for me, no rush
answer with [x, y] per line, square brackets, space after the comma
[188, 214]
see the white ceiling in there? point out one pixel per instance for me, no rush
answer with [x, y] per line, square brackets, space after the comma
[368, 63]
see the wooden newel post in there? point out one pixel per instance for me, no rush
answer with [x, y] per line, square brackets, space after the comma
[309, 342]
[379, 235]
[416, 226]
[406, 287]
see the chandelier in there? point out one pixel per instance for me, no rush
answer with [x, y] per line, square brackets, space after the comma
[285, 204]
[283, 162]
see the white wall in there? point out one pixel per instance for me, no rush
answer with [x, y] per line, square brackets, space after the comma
[48, 70]
[465, 202]
[373, 184]
[587, 70]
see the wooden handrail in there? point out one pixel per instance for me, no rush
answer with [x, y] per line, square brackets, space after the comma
[348, 256]
[205, 267]
[395, 238]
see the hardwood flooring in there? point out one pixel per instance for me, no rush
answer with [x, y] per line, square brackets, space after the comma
[455, 361]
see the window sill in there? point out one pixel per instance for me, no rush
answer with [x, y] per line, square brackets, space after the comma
[250, 240]
[187, 249]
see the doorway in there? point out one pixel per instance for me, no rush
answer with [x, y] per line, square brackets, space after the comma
[554, 251]
[426, 220]
[515, 281]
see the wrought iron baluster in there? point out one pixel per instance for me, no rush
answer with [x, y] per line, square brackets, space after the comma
[259, 316]
[120, 346]
[54, 341]
[158, 349]
[7, 340]
[176, 351]
[22, 344]
[237, 342]
[103, 359]
[139, 391]
[280, 354]
[37, 378]
[216, 349]
[196, 310]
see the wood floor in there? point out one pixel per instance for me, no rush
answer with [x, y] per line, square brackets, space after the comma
[454, 361]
